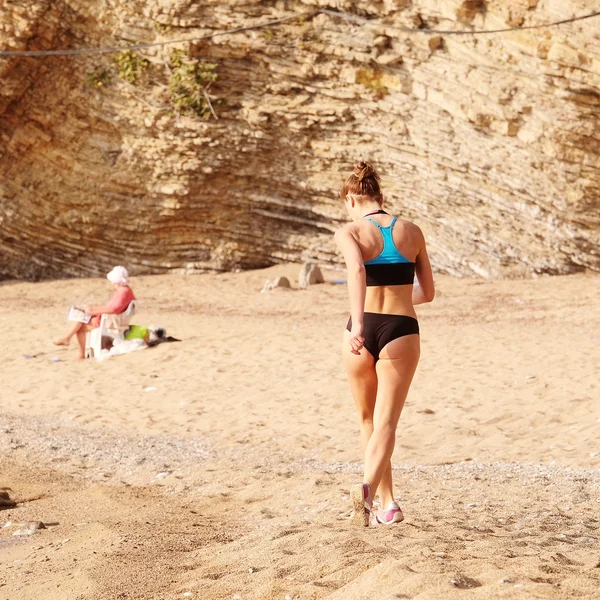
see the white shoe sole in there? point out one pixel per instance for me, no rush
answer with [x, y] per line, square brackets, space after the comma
[397, 518]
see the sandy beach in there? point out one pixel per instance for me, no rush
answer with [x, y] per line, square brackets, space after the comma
[219, 467]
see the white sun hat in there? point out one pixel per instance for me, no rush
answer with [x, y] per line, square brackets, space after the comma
[119, 275]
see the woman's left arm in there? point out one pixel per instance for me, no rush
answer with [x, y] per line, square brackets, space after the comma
[357, 285]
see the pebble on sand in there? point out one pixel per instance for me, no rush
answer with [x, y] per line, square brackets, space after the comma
[5, 499]
[29, 528]
[278, 282]
[464, 583]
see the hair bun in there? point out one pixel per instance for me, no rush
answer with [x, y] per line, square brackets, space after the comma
[364, 181]
[363, 169]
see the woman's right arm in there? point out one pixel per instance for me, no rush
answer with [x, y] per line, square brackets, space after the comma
[94, 310]
[424, 291]
[357, 285]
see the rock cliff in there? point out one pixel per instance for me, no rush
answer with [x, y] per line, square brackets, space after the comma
[490, 143]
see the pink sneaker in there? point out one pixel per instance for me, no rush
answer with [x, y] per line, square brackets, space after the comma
[362, 501]
[393, 514]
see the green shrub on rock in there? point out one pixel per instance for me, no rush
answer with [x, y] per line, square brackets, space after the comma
[189, 82]
[132, 67]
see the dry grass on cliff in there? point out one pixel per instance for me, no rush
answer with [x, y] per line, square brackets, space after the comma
[219, 467]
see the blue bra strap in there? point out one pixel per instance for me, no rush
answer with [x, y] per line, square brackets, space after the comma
[372, 221]
[381, 226]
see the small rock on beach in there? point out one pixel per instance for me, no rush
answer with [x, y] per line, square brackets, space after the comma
[310, 274]
[278, 282]
[5, 500]
[29, 529]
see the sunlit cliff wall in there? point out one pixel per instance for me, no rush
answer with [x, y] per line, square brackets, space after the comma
[489, 143]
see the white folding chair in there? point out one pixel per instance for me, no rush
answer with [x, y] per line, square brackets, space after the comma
[113, 326]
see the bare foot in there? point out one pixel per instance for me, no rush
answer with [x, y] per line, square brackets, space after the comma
[62, 342]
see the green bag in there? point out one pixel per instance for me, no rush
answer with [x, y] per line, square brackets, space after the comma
[136, 332]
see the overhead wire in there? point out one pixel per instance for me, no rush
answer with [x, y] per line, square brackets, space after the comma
[275, 22]
[117, 49]
[425, 31]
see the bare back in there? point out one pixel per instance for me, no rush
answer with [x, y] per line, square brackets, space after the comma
[408, 240]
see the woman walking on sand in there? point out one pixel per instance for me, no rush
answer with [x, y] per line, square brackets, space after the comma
[381, 345]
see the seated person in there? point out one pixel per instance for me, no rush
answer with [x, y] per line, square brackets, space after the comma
[118, 304]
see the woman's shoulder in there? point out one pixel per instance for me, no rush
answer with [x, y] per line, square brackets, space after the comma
[349, 229]
[125, 291]
[408, 227]
[408, 235]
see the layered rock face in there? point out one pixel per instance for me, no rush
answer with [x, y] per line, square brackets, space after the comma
[489, 143]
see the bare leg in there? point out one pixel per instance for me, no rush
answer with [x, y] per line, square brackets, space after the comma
[395, 369]
[64, 341]
[81, 333]
[81, 343]
[362, 377]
